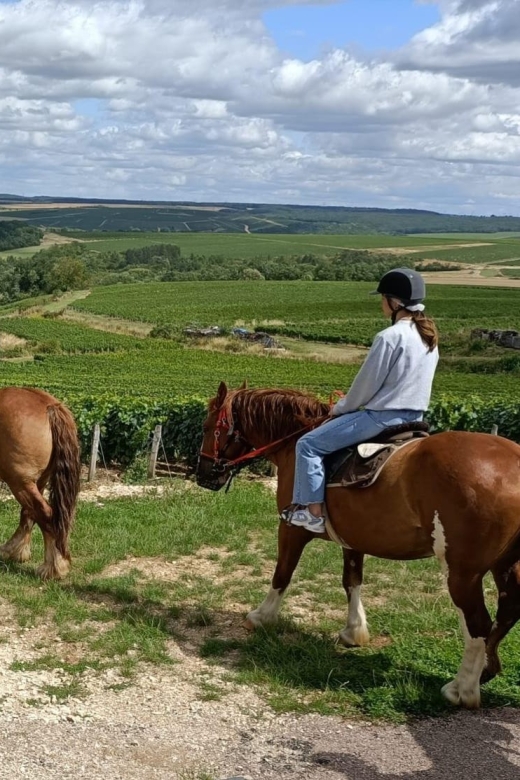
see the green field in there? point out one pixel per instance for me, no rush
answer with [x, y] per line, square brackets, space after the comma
[243, 245]
[67, 337]
[164, 370]
[323, 312]
[498, 247]
[327, 311]
[496, 252]
[469, 236]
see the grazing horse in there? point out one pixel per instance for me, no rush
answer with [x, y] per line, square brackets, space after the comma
[453, 495]
[39, 447]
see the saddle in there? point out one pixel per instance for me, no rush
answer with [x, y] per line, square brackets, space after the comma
[360, 466]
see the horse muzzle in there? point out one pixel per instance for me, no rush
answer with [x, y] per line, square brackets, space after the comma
[211, 475]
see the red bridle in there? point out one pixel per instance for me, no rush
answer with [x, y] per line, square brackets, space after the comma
[223, 425]
[228, 464]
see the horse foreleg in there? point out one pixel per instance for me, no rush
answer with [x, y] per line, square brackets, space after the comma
[18, 547]
[355, 633]
[291, 543]
[507, 578]
[475, 621]
[36, 509]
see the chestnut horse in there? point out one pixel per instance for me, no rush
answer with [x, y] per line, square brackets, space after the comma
[453, 495]
[39, 447]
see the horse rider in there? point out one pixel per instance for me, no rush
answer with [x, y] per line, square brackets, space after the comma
[392, 387]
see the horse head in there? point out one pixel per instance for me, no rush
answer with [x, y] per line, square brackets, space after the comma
[223, 443]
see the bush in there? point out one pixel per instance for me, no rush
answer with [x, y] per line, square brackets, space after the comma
[127, 425]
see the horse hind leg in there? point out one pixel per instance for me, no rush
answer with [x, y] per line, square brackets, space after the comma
[355, 633]
[18, 547]
[468, 597]
[507, 579]
[55, 565]
[291, 543]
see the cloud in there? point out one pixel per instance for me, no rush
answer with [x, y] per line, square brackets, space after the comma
[476, 39]
[164, 99]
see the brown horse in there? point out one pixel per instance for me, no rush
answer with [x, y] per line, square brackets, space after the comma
[39, 446]
[453, 495]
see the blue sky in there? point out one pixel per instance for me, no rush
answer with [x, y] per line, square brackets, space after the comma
[305, 31]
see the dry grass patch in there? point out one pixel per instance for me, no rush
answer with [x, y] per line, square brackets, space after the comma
[8, 341]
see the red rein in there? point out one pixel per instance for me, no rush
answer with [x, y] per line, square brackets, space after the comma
[223, 425]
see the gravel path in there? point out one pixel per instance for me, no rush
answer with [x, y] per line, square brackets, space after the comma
[158, 728]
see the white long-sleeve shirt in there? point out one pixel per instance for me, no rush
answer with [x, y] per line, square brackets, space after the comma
[397, 373]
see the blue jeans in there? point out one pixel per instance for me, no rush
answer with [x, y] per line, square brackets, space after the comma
[336, 433]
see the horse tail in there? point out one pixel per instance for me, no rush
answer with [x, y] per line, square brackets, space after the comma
[64, 473]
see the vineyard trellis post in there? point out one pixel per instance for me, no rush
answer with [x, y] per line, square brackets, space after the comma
[156, 441]
[96, 435]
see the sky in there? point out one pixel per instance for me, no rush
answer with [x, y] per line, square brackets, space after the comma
[386, 103]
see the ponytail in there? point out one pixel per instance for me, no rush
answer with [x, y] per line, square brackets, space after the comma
[427, 329]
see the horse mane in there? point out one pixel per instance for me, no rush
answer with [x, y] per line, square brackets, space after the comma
[273, 412]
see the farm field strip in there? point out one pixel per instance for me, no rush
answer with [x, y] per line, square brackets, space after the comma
[244, 245]
[66, 336]
[338, 309]
[153, 368]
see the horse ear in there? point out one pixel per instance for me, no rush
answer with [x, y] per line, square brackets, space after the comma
[221, 394]
[243, 386]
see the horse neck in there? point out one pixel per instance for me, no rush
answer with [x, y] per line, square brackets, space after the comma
[255, 417]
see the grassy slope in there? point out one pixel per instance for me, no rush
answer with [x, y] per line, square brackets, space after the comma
[123, 618]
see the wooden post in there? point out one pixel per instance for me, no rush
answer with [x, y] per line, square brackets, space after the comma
[155, 451]
[94, 452]
[494, 430]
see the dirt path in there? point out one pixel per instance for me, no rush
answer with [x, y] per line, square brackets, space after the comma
[159, 729]
[470, 278]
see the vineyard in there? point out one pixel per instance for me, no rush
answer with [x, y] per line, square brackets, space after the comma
[130, 384]
[324, 311]
[59, 336]
[243, 245]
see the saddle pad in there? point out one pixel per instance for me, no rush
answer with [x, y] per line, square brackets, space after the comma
[360, 466]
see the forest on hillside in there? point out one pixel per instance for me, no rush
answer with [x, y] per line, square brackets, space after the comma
[90, 215]
[15, 234]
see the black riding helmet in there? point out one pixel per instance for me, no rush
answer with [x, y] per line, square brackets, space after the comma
[405, 284]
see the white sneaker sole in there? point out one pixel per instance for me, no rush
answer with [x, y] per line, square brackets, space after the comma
[315, 528]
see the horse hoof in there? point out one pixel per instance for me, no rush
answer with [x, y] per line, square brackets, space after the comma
[254, 620]
[18, 554]
[54, 571]
[468, 699]
[354, 637]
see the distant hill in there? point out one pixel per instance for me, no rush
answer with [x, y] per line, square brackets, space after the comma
[89, 214]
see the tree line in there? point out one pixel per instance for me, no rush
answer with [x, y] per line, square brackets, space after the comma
[76, 266]
[15, 234]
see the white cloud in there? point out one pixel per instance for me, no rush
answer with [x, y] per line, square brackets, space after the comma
[165, 99]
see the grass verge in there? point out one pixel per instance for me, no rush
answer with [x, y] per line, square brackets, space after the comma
[155, 573]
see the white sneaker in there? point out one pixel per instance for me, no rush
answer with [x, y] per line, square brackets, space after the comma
[305, 518]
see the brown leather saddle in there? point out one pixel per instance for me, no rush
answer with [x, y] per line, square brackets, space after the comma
[360, 466]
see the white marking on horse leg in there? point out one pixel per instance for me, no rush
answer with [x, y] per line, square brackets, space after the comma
[465, 688]
[268, 610]
[439, 543]
[18, 547]
[55, 566]
[355, 633]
